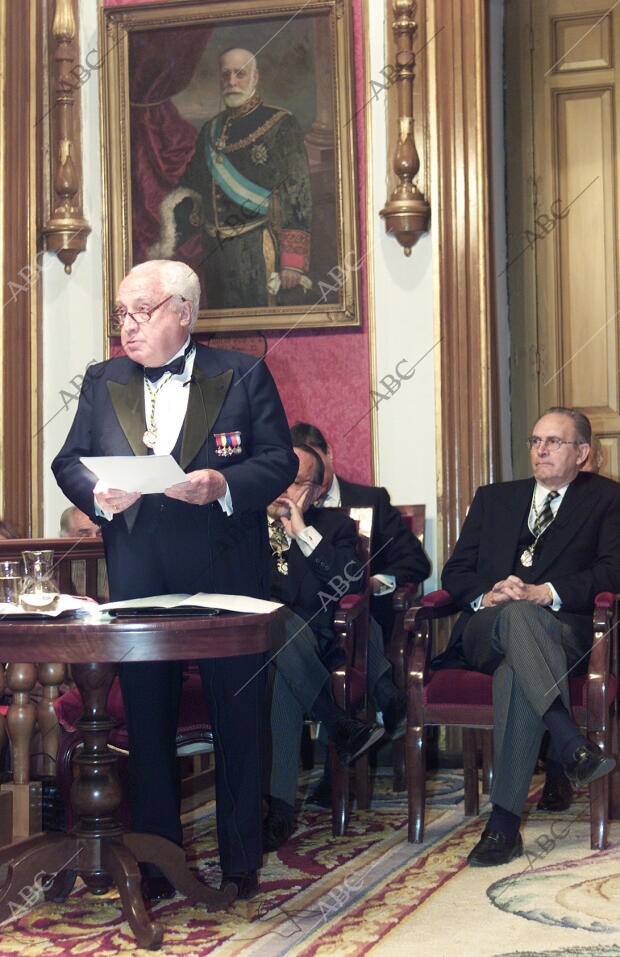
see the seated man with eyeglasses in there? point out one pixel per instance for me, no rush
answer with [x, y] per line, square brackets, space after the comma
[530, 559]
[313, 553]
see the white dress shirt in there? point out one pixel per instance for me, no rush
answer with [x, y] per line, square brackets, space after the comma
[332, 499]
[171, 398]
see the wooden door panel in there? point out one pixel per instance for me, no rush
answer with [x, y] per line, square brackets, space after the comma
[574, 222]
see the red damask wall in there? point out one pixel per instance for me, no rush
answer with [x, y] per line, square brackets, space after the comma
[323, 376]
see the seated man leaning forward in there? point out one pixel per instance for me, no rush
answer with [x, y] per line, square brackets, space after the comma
[531, 557]
[312, 550]
[396, 556]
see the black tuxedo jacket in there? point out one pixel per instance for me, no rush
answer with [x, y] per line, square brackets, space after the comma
[163, 544]
[394, 549]
[580, 552]
[310, 582]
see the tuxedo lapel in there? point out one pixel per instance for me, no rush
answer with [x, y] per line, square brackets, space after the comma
[128, 403]
[505, 541]
[206, 397]
[573, 512]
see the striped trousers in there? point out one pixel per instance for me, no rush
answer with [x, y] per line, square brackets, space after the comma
[529, 652]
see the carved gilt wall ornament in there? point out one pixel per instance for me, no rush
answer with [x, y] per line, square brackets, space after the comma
[65, 229]
[406, 212]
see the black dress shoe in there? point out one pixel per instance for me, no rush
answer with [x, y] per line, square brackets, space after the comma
[246, 884]
[587, 764]
[557, 795]
[495, 848]
[321, 794]
[395, 715]
[353, 737]
[155, 887]
[277, 829]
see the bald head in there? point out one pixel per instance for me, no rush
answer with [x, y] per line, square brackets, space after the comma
[75, 524]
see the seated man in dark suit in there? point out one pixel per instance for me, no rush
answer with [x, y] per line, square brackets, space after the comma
[396, 554]
[530, 559]
[397, 558]
[314, 552]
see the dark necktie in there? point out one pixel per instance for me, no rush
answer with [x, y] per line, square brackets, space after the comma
[545, 516]
[176, 367]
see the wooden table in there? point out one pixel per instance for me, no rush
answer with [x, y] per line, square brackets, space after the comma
[97, 849]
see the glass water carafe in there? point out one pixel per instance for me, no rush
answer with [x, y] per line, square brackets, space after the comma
[39, 587]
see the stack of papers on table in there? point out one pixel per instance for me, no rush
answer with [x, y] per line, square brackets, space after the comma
[202, 603]
[66, 606]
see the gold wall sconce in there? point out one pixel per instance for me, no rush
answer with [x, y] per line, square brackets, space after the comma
[65, 229]
[406, 213]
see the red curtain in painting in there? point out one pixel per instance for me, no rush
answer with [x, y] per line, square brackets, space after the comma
[162, 64]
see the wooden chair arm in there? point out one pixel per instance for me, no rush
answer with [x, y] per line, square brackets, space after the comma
[349, 607]
[417, 652]
[405, 596]
[437, 604]
[419, 628]
[351, 629]
[597, 688]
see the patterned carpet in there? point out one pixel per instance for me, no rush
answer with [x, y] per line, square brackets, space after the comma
[372, 893]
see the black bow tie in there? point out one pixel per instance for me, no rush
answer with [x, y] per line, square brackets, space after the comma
[176, 367]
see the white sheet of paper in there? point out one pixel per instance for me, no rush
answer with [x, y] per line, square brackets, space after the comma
[243, 603]
[136, 473]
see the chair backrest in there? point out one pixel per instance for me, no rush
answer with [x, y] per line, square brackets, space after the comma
[79, 565]
[363, 518]
[414, 517]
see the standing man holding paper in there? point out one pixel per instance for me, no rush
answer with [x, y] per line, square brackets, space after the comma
[219, 414]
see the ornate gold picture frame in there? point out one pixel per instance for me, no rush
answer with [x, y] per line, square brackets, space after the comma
[260, 198]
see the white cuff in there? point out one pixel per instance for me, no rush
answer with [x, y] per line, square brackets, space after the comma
[388, 582]
[556, 604]
[101, 512]
[308, 539]
[226, 502]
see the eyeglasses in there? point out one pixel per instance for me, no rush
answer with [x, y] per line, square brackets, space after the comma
[306, 484]
[552, 443]
[120, 314]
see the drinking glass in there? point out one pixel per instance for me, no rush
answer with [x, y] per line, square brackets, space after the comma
[39, 587]
[10, 582]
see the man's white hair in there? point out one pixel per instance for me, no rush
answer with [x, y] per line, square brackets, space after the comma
[177, 279]
[250, 58]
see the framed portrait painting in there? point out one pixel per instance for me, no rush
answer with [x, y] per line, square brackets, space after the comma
[229, 144]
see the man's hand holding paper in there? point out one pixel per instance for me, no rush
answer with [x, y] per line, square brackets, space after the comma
[131, 474]
[113, 500]
[199, 488]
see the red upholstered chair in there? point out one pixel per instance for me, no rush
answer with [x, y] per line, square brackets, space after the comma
[405, 597]
[463, 699]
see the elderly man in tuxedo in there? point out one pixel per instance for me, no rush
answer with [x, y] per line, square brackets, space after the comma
[530, 559]
[219, 414]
